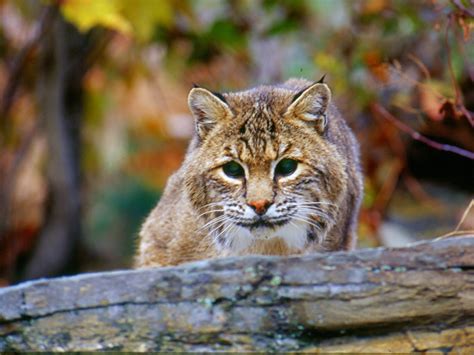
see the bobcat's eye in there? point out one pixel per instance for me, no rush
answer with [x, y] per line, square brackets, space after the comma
[286, 167]
[233, 170]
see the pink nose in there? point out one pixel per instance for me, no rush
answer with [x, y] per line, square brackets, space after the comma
[260, 206]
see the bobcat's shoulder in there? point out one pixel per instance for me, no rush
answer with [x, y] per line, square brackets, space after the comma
[270, 170]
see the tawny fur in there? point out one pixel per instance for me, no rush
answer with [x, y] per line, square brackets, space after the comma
[257, 128]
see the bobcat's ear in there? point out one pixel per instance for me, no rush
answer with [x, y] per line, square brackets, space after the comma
[311, 105]
[208, 109]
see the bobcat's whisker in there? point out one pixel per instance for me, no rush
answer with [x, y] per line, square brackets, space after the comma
[227, 240]
[309, 206]
[315, 211]
[215, 226]
[213, 221]
[315, 203]
[226, 228]
[209, 205]
[303, 219]
[324, 217]
[211, 211]
[318, 212]
[218, 223]
[211, 233]
[296, 225]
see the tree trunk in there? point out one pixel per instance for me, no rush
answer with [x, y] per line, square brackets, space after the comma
[60, 106]
[408, 299]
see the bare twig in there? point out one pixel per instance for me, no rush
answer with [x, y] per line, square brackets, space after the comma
[419, 137]
[457, 231]
[385, 192]
[467, 59]
[399, 171]
[91, 51]
[416, 83]
[464, 10]
[458, 100]
[420, 65]
[388, 187]
[13, 82]
[415, 188]
[8, 180]
[18, 64]
[471, 205]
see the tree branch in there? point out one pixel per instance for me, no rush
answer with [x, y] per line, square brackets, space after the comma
[419, 137]
[19, 63]
[406, 299]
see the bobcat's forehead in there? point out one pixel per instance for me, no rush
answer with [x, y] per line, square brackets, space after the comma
[258, 128]
[256, 106]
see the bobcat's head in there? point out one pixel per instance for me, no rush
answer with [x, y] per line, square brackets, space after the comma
[261, 167]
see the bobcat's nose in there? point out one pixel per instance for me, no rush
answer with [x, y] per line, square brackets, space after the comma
[260, 206]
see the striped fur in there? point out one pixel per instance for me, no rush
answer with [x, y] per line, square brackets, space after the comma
[204, 213]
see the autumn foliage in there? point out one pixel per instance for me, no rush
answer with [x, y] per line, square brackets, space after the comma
[401, 71]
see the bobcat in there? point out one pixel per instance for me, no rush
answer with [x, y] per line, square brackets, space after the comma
[272, 170]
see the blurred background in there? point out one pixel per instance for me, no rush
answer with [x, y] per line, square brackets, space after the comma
[93, 113]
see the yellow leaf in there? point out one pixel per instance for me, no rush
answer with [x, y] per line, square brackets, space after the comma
[86, 14]
[144, 15]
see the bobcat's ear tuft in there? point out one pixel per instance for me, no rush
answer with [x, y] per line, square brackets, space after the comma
[208, 109]
[311, 105]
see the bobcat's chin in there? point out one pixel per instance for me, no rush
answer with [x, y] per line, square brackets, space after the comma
[244, 239]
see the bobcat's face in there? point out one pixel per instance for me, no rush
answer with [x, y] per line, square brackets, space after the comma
[263, 168]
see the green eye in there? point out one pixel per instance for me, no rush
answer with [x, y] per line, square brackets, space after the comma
[286, 167]
[233, 170]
